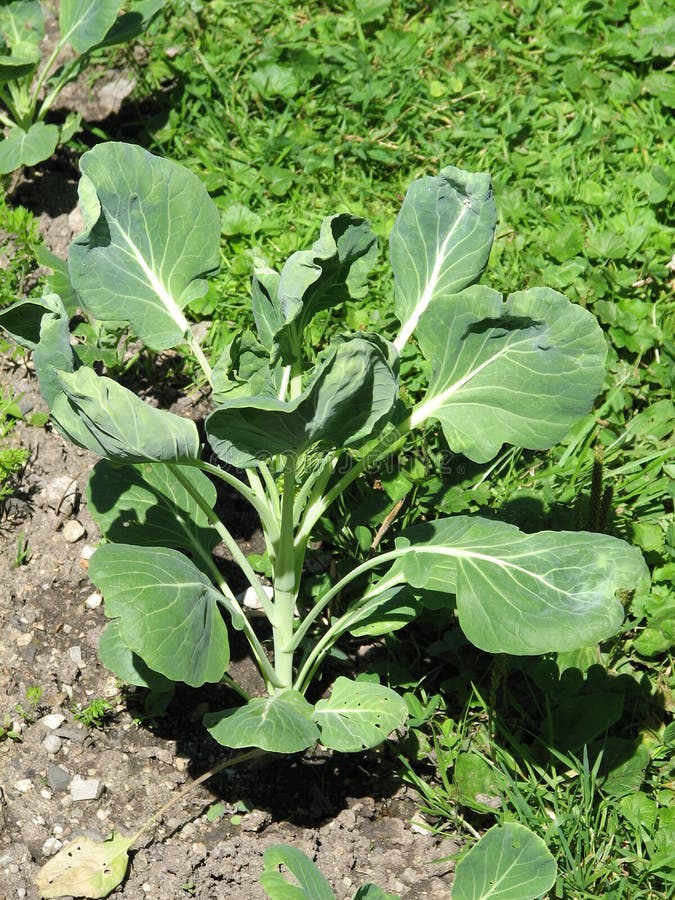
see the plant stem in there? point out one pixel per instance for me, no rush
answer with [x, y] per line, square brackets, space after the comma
[285, 587]
[327, 640]
[257, 499]
[226, 764]
[318, 508]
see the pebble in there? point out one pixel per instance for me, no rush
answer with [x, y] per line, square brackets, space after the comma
[53, 721]
[51, 846]
[85, 788]
[73, 530]
[58, 779]
[87, 551]
[75, 653]
[52, 743]
[23, 785]
[94, 600]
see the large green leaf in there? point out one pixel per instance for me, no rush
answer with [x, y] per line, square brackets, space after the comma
[132, 23]
[22, 28]
[152, 234]
[440, 242]
[518, 371]
[168, 610]
[144, 504]
[127, 665]
[358, 715]
[84, 23]
[334, 270]
[523, 593]
[508, 863]
[351, 395]
[267, 311]
[23, 320]
[106, 418]
[27, 148]
[281, 724]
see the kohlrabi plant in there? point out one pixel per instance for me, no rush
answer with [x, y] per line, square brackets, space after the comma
[293, 427]
[30, 82]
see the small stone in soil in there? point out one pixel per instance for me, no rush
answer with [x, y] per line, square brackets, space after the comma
[52, 743]
[53, 721]
[85, 788]
[51, 846]
[93, 601]
[23, 785]
[57, 778]
[72, 531]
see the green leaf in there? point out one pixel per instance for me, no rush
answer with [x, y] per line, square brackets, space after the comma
[152, 234]
[509, 863]
[478, 784]
[440, 242]
[350, 397]
[267, 311]
[273, 81]
[127, 665]
[83, 23]
[311, 883]
[239, 219]
[522, 593]
[144, 504]
[27, 148]
[383, 613]
[280, 724]
[168, 610]
[23, 320]
[85, 868]
[358, 715]
[132, 23]
[22, 28]
[518, 371]
[373, 892]
[335, 269]
[106, 418]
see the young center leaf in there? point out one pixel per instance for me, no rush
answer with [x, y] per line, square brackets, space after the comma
[102, 416]
[440, 242]
[334, 270]
[520, 371]
[351, 395]
[152, 235]
[167, 609]
[518, 593]
[281, 724]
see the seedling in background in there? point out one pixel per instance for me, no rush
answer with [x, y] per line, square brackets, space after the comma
[292, 429]
[29, 84]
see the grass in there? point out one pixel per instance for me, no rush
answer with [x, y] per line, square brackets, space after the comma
[292, 111]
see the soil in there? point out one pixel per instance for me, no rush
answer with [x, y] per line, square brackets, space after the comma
[351, 814]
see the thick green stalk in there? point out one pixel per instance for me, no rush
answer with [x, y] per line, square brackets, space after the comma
[285, 583]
